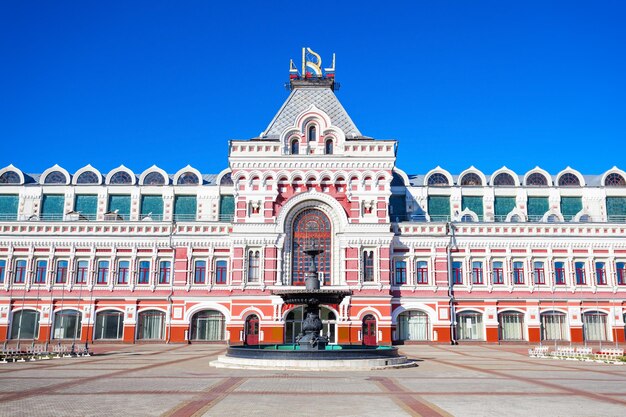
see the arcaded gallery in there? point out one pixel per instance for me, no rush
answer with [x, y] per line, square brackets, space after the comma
[188, 257]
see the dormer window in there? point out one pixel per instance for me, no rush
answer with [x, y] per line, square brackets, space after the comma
[312, 136]
[295, 147]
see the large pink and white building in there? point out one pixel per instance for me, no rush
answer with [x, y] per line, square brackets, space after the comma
[156, 256]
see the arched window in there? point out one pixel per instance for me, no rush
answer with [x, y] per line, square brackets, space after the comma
[67, 324]
[536, 180]
[329, 147]
[154, 178]
[188, 178]
[413, 325]
[569, 180]
[55, 177]
[438, 180]
[471, 179]
[121, 178]
[311, 227]
[312, 133]
[88, 177]
[503, 179]
[611, 180]
[469, 326]
[552, 218]
[295, 147]
[227, 180]
[25, 324]
[109, 325]
[467, 218]
[254, 265]
[151, 325]
[208, 325]
[10, 177]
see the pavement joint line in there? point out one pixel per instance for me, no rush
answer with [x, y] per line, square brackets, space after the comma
[70, 361]
[203, 401]
[539, 382]
[414, 403]
[551, 365]
[78, 381]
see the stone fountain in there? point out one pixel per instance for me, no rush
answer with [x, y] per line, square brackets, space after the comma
[312, 351]
[312, 296]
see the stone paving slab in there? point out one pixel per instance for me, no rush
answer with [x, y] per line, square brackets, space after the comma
[302, 386]
[430, 385]
[300, 406]
[149, 385]
[22, 384]
[525, 406]
[118, 405]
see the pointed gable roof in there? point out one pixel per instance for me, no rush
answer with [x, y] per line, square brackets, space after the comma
[300, 99]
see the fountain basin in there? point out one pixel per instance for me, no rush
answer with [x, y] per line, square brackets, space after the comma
[333, 357]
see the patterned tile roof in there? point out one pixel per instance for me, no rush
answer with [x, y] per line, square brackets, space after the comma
[300, 100]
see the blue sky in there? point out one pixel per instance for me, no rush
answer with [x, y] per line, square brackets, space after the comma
[457, 83]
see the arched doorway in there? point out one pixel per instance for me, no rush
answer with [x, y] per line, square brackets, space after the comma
[208, 325]
[25, 324]
[151, 325]
[369, 331]
[412, 325]
[469, 326]
[595, 326]
[554, 326]
[293, 324]
[67, 324]
[310, 227]
[251, 330]
[109, 325]
[511, 325]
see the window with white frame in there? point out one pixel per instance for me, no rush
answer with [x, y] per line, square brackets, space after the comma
[579, 268]
[103, 273]
[518, 273]
[620, 269]
[41, 269]
[143, 272]
[254, 265]
[165, 272]
[367, 263]
[539, 276]
[82, 269]
[221, 272]
[3, 269]
[123, 272]
[19, 276]
[600, 273]
[61, 273]
[477, 273]
[497, 272]
[399, 271]
[199, 272]
[559, 273]
[421, 271]
[457, 272]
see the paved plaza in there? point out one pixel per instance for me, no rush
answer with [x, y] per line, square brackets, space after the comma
[176, 380]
